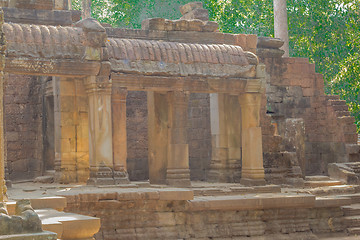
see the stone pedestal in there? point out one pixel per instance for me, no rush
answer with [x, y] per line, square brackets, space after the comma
[118, 102]
[168, 147]
[252, 171]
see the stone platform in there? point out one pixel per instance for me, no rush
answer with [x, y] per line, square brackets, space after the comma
[218, 211]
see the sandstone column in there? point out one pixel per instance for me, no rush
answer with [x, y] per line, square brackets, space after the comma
[178, 172]
[2, 146]
[71, 130]
[118, 102]
[100, 131]
[157, 136]
[252, 172]
[168, 147]
[281, 25]
[226, 138]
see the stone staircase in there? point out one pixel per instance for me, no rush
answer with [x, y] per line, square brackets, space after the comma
[66, 225]
[339, 106]
[344, 119]
[320, 181]
[352, 218]
[352, 214]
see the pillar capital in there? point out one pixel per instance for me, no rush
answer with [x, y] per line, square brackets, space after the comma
[99, 84]
[250, 99]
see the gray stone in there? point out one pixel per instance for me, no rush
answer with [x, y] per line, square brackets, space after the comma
[44, 179]
[199, 13]
[190, 7]
[268, 42]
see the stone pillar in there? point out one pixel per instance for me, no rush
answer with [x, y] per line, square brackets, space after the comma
[2, 146]
[118, 102]
[157, 136]
[178, 172]
[226, 138]
[252, 172]
[2, 142]
[168, 147]
[100, 131]
[219, 138]
[281, 25]
[71, 130]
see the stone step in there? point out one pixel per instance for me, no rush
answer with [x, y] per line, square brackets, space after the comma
[343, 190]
[69, 225]
[57, 203]
[355, 198]
[332, 201]
[317, 178]
[235, 190]
[332, 97]
[337, 102]
[352, 221]
[353, 231]
[315, 184]
[342, 113]
[346, 119]
[351, 210]
[340, 108]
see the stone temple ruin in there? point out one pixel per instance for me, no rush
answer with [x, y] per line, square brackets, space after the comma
[172, 131]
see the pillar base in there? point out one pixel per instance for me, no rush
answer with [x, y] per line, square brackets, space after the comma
[106, 176]
[252, 182]
[178, 177]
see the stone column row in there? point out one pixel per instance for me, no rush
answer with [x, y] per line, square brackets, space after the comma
[235, 126]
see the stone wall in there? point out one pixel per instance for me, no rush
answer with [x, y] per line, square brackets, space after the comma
[149, 215]
[295, 90]
[23, 125]
[137, 136]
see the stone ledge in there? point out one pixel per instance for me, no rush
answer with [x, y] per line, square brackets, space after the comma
[73, 226]
[252, 202]
[38, 16]
[322, 202]
[31, 236]
[58, 203]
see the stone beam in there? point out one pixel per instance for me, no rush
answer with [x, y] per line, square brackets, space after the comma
[54, 67]
[135, 82]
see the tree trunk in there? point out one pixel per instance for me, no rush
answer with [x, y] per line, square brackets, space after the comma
[280, 24]
[86, 9]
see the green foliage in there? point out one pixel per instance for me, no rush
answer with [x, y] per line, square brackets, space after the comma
[325, 31]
